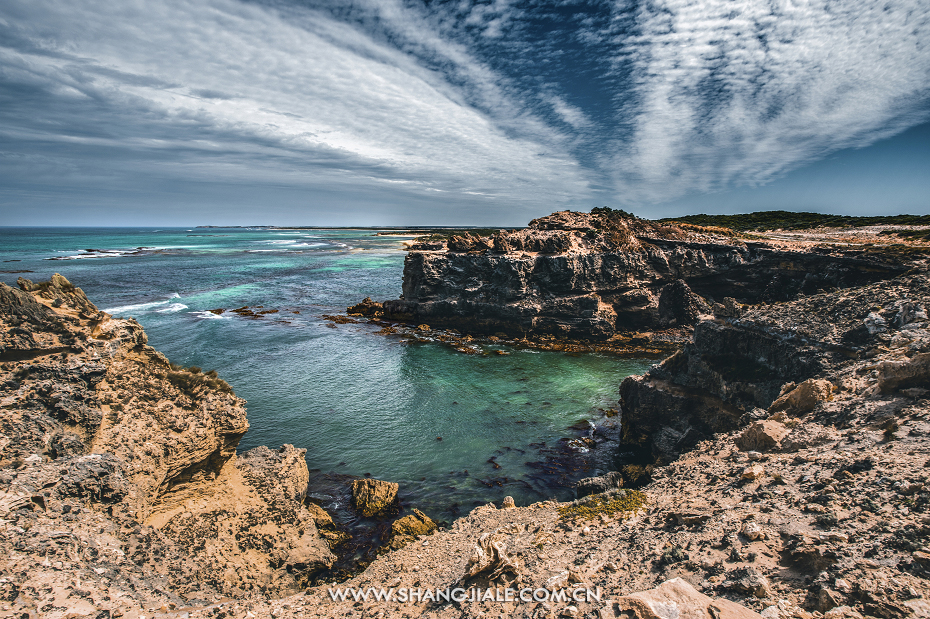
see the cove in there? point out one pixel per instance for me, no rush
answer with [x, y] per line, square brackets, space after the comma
[359, 403]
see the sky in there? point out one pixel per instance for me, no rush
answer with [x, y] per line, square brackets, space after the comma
[429, 112]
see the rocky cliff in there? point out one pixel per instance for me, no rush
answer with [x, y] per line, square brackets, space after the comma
[120, 481]
[749, 363]
[594, 275]
[791, 443]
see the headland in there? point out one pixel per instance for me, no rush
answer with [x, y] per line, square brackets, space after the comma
[782, 448]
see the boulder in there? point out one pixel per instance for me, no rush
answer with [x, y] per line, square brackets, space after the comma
[676, 598]
[804, 397]
[373, 497]
[762, 436]
[808, 435]
[597, 485]
[753, 472]
[749, 580]
[405, 530]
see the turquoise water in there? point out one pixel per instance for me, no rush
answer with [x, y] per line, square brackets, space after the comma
[359, 403]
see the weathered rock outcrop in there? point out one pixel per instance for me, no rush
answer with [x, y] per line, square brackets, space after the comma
[130, 463]
[786, 359]
[595, 275]
[373, 497]
[406, 530]
[677, 598]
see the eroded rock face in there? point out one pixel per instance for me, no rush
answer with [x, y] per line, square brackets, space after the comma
[593, 275]
[781, 360]
[100, 433]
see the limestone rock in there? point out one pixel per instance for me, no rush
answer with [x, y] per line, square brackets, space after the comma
[693, 511]
[842, 612]
[122, 446]
[405, 530]
[373, 497]
[747, 580]
[752, 531]
[283, 471]
[490, 560]
[320, 516]
[808, 435]
[804, 397]
[508, 503]
[597, 485]
[325, 525]
[676, 598]
[908, 372]
[762, 436]
[753, 472]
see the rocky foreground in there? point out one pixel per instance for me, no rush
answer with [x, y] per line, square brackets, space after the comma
[120, 486]
[796, 484]
[783, 472]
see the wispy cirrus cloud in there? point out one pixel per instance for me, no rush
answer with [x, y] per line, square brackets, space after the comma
[737, 93]
[495, 109]
[257, 93]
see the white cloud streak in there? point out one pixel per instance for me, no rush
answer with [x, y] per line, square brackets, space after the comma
[734, 93]
[296, 91]
[416, 102]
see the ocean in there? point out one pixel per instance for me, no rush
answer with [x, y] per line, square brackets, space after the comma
[359, 403]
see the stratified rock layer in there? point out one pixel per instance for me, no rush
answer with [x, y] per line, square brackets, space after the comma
[595, 275]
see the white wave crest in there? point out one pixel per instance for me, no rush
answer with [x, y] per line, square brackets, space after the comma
[174, 307]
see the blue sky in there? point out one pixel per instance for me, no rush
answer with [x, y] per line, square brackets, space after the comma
[385, 112]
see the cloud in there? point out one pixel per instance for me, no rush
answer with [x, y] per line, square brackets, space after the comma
[737, 93]
[255, 93]
[463, 106]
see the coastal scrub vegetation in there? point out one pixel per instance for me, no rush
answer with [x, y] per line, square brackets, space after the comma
[192, 379]
[607, 504]
[786, 220]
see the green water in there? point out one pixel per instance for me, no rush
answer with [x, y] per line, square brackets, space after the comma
[359, 403]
